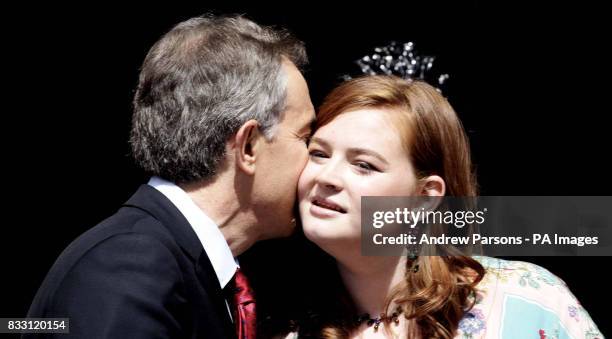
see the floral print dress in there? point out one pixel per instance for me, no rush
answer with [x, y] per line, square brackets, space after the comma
[520, 300]
[517, 299]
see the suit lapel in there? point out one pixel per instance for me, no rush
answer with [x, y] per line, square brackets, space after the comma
[208, 279]
[156, 204]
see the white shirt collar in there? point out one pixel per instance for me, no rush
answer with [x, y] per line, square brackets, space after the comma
[208, 232]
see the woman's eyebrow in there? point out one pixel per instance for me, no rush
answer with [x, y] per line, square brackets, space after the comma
[352, 150]
[319, 141]
[358, 150]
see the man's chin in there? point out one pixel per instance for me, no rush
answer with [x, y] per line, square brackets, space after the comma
[288, 230]
[284, 230]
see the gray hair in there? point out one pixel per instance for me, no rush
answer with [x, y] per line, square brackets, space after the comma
[198, 84]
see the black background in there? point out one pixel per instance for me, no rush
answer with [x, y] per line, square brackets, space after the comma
[530, 84]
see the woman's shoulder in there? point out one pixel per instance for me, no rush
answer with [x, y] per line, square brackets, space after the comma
[523, 294]
[524, 279]
[522, 273]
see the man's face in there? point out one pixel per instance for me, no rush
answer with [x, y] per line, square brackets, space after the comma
[284, 158]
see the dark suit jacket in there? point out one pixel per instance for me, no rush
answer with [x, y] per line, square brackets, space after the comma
[141, 273]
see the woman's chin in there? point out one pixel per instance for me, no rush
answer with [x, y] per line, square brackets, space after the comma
[313, 233]
[329, 239]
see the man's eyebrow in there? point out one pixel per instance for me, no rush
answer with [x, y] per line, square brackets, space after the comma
[309, 125]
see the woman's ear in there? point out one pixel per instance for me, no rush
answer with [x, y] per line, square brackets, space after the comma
[433, 186]
[245, 143]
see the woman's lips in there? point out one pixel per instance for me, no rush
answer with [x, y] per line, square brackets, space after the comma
[325, 208]
[322, 212]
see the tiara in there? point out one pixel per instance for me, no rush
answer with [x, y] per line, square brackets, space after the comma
[400, 60]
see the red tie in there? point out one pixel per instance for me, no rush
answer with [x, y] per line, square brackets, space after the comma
[244, 303]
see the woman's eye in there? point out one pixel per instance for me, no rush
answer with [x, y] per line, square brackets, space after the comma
[317, 154]
[365, 166]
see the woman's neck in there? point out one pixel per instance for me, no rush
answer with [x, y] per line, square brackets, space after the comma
[370, 281]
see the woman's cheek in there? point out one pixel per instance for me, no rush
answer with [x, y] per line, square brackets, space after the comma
[306, 179]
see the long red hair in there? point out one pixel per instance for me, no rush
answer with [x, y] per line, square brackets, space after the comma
[435, 298]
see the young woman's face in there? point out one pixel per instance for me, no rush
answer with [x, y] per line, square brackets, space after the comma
[359, 153]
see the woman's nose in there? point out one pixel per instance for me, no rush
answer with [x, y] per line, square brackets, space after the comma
[330, 176]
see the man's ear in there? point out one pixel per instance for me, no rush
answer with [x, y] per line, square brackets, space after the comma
[246, 142]
[432, 186]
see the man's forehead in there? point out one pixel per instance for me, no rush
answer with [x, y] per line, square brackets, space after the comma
[299, 119]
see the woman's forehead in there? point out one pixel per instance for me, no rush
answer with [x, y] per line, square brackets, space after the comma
[369, 126]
